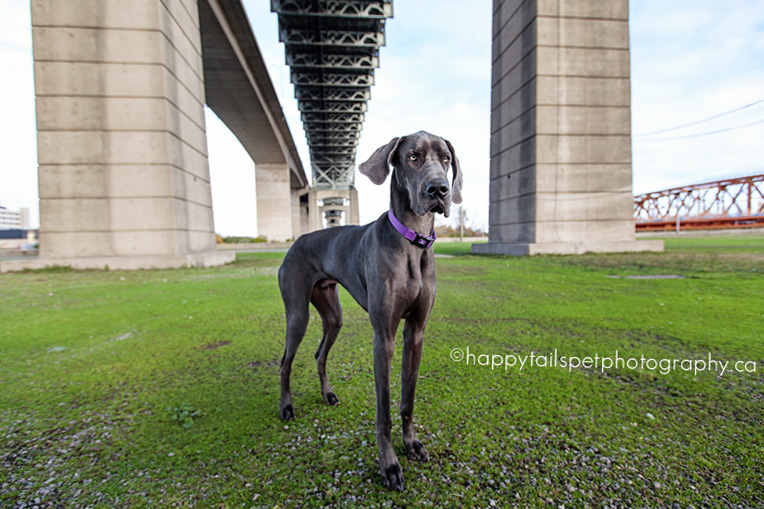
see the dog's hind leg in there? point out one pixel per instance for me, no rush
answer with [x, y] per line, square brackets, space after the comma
[297, 314]
[326, 299]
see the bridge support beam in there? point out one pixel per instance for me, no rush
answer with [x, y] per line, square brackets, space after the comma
[561, 129]
[275, 205]
[122, 151]
[300, 211]
[318, 207]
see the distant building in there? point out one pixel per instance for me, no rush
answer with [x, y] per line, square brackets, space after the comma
[18, 239]
[14, 219]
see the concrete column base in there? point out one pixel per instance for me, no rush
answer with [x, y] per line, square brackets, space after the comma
[212, 259]
[567, 248]
[316, 212]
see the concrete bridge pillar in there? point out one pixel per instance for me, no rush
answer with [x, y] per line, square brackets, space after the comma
[274, 202]
[561, 129]
[122, 151]
[354, 217]
[300, 212]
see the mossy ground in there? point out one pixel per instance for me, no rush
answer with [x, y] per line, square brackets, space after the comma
[161, 387]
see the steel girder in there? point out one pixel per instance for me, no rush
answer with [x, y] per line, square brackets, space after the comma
[330, 94]
[340, 79]
[331, 107]
[335, 38]
[333, 118]
[333, 139]
[730, 203]
[333, 151]
[332, 47]
[336, 8]
[313, 61]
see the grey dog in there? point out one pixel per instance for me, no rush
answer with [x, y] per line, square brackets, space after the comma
[388, 268]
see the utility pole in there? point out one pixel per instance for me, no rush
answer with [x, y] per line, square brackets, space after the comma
[461, 223]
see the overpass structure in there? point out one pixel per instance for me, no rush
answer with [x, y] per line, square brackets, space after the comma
[239, 90]
[122, 152]
[120, 92]
[332, 47]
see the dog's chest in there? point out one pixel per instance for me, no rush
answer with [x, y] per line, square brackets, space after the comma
[420, 278]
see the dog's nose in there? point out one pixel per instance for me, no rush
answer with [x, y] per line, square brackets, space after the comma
[437, 188]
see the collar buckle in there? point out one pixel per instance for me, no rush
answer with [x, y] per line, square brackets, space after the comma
[422, 241]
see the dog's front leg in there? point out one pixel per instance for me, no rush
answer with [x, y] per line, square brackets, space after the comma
[384, 344]
[413, 341]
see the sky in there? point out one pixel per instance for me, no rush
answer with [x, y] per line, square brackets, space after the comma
[697, 62]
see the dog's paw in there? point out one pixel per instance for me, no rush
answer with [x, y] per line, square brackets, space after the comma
[287, 413]
[415, 451]
[393, 477]
[331, 398]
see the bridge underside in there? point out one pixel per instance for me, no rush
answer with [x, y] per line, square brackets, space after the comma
[239, 90]
[122, 152]
[332, 47]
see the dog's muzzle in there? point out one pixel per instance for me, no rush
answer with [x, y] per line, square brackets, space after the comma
[438, 192]
[437, 188]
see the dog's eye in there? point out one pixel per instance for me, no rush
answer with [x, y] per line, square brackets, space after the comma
[447, 159]
[413, 157]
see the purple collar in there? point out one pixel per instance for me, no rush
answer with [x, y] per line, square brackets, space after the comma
[411, 235]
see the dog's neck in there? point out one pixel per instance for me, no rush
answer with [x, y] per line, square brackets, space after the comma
[401, 207]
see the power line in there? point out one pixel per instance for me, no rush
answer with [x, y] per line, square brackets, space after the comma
[708, 133]
[714, 117]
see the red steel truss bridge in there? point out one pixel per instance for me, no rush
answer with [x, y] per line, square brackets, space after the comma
[730, 203]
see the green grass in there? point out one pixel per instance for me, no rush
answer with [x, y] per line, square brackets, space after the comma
[154, 388]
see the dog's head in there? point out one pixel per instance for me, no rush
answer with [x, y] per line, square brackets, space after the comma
[420, 164]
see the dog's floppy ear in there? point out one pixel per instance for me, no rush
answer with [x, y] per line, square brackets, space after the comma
[378, 165]
[456, 183]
